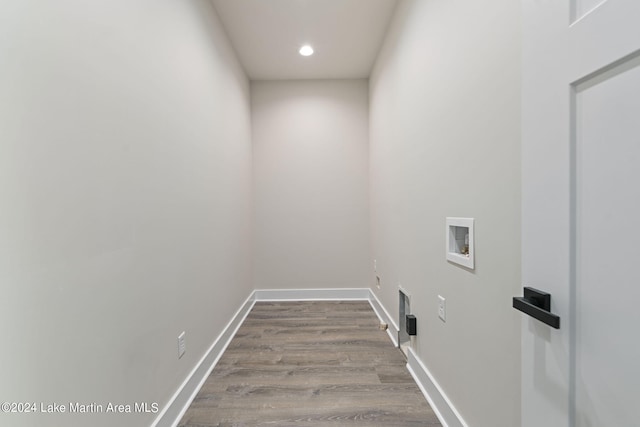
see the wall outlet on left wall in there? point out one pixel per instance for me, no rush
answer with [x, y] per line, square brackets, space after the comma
[182, 345]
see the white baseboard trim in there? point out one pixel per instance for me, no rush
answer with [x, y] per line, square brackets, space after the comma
[384, 317]
[337, 294]
[440, 403]
[179, 403]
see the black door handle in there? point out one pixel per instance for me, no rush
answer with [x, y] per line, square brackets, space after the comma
[537, 304]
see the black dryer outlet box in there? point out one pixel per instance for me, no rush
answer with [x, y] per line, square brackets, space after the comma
[411, 324]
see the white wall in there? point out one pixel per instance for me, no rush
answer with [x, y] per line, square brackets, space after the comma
[445, 132]
[310, 156]
[125, 192]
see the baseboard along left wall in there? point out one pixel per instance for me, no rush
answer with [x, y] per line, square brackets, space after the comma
[173, 411]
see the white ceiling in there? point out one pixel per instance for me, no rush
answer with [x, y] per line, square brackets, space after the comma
[267, 34]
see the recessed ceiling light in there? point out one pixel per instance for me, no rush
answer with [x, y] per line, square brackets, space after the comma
[306, 50]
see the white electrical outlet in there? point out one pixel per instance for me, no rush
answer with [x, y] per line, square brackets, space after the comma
[442, 308]
[182, 345]
[375, 265]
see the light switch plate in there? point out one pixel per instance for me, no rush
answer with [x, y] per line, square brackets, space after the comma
[442, 308]
[182, 345]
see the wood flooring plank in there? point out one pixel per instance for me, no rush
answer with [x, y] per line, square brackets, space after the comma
[310, 364]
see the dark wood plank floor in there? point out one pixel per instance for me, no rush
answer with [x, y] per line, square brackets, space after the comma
[310, 364]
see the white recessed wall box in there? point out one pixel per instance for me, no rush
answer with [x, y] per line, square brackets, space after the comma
[460, 241]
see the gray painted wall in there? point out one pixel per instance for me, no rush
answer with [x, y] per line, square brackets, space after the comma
[311, 184]
[445, 141]
[125, 186]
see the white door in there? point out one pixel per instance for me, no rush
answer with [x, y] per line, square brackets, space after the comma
[581, 211]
